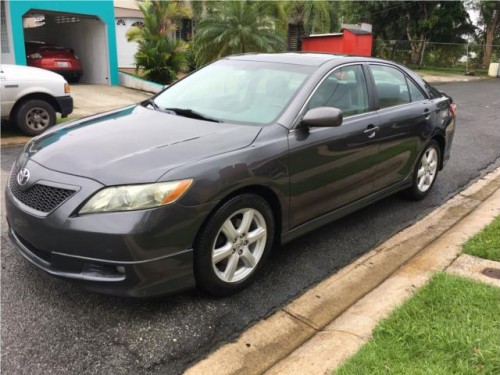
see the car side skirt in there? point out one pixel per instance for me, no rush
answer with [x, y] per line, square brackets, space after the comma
[343, 211]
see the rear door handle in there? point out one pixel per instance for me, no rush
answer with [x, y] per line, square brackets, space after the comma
[371, 130]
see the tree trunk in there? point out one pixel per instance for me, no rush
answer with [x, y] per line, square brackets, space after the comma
[417, 49]
[490, 34]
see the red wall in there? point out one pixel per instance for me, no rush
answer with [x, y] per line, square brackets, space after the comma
[348, 43]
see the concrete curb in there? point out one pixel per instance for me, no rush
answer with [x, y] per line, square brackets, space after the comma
[270, 340]
[346, 334]
[136, 83]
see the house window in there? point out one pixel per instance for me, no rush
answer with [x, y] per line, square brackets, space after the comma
[5, 35]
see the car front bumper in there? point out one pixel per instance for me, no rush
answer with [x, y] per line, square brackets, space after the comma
[135, 254]
[155, 277]
[65, 104]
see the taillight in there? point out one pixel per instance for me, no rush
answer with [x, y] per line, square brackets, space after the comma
[66, 88]
[453, 108]
[35, 56]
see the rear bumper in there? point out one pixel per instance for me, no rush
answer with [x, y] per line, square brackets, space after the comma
[449, 134]
[68, 72]
[65, 104]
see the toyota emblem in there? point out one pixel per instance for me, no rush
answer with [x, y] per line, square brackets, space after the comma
[23, 176]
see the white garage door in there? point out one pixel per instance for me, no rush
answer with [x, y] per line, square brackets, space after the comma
[126, 50]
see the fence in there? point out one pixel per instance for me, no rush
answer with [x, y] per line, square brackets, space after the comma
[464, 57]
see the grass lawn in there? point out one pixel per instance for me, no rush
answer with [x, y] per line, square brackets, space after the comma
[449, 71]
[485, 244]
[450, 326]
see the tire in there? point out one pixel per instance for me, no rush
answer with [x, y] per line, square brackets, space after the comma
[34, 116]
[230, 251]
[426, 172]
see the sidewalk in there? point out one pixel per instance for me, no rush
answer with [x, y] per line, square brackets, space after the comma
[329, 323]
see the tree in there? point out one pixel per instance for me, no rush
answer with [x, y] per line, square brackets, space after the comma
[489, 13]
[232, 27]
[160, 58]
[418, 22]
[313, 16]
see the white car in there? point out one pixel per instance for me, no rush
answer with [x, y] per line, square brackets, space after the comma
[32, 96]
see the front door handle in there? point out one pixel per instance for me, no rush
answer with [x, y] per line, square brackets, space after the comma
[371, 130]
[427, 113]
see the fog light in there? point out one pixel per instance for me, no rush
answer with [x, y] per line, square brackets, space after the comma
[103, 271]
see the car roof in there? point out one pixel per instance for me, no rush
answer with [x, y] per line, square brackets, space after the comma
[298, 58]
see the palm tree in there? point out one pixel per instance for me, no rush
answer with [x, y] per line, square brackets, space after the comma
[313, 16]
[160, 58]
[233, 27]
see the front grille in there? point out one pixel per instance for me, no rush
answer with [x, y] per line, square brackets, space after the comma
[44, 255]
[40, 197]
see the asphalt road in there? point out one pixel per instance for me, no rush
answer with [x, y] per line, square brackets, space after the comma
[50, 326]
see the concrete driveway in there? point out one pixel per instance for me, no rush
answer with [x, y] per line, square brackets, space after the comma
[91, 99]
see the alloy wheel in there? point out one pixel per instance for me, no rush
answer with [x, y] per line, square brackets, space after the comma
[427, 169]
[239, 245]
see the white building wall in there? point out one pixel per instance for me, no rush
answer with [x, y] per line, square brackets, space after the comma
[7, 44]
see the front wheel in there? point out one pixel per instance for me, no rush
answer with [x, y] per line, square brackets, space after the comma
[425, 172]
[233, 245]
[34, 116]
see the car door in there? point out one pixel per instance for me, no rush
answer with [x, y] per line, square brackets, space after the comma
[334, 166]
[405, 115]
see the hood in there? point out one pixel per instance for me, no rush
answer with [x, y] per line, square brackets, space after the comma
[29, 73]
[134, 145]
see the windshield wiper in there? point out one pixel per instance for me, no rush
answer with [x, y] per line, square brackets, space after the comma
[191, 114]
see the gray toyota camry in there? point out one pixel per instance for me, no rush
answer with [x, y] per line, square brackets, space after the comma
[195, 186]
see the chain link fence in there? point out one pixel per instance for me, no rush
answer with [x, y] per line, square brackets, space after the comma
[453, 56]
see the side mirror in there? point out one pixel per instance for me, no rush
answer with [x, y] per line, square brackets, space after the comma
[322, 117]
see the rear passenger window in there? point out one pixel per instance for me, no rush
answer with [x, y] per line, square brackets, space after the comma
[415, 93]
[390, 85]
[345, 89]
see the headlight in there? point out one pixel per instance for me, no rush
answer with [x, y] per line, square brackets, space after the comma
[135, 197]
[35, 56]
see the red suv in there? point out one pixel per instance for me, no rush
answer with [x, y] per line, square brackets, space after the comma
[61, 60]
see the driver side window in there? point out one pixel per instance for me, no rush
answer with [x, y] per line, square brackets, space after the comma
[345, 89]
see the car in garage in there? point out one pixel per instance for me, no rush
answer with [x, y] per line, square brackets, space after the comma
[61, 60]
[31, 97]
[196, 185]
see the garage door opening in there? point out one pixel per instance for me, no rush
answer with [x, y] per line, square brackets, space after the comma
[85, 35]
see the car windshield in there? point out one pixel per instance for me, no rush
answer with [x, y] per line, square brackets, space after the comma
[247, 92]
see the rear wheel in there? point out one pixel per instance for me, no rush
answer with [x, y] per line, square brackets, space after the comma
[233, 245]
[34, 116]
[425, 172]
